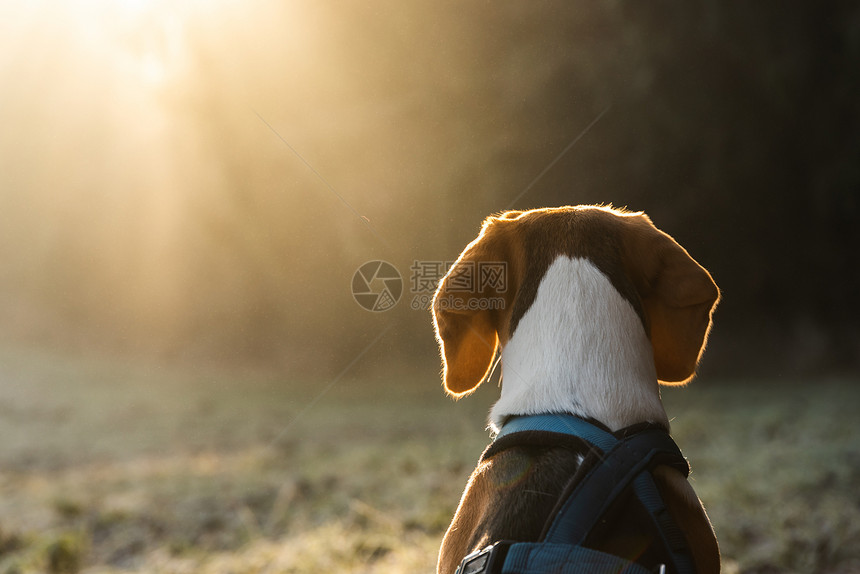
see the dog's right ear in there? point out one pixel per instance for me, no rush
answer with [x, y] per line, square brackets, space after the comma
[678, 295]
[467, 328]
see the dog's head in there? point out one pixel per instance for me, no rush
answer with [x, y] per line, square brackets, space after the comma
[493, 283]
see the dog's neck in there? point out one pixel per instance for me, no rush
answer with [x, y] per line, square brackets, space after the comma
[582, 349]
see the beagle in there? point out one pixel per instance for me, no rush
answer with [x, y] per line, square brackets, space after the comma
[597, 309]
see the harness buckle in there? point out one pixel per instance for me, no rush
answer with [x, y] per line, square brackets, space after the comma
[486, 560]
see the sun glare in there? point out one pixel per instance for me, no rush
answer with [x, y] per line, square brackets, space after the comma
[145, 37]
[138, 42]
[134, 7]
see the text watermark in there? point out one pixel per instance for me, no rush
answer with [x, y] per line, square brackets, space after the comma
[378, 286]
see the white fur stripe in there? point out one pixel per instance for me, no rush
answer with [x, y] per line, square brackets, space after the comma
[581, 348]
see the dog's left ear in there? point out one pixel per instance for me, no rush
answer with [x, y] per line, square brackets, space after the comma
[467, 324]
[678, 296]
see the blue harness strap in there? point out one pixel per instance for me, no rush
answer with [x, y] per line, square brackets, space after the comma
[625, 462]
[621, 464]
[545, 557]
[563, 424]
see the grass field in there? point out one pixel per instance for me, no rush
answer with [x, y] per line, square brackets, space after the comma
[110, 466]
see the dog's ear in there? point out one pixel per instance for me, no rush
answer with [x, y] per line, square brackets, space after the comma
[678, 298]
[468, 314]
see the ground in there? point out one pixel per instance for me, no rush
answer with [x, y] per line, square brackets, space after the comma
[111, 466]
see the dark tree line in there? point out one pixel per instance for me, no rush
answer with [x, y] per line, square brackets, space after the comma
[735, 125]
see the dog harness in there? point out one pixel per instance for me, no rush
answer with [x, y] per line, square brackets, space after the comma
[626, 461]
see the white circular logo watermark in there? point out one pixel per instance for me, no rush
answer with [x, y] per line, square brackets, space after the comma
[377, 286]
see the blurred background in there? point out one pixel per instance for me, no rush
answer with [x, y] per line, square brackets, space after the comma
[198, 181]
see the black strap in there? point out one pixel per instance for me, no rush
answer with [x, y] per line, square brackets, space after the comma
[620, 460]
[619, 467]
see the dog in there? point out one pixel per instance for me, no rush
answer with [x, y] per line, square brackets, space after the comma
[596, 309]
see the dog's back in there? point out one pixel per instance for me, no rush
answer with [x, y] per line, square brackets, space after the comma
[514, 495]
[510, 497]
